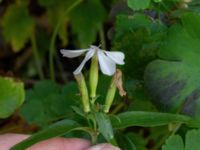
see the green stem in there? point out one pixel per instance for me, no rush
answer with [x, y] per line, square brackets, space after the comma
[61, 69]
[102, 37]
[118, 108]
[113, 142]
[95, 135]
[166, 136]
[161, 141]
[36, 56]
[53, 38]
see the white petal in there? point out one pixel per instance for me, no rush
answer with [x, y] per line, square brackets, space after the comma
[88, 55]
[117, 57]
[107, 65]
[72, 53]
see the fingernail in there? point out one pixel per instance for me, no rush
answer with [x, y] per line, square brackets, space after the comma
[104, 147]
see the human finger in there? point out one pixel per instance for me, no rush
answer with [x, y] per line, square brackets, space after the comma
[9, 140]
[104, 146]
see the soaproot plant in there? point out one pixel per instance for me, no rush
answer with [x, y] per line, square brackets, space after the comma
[149, 30]
[96, 116]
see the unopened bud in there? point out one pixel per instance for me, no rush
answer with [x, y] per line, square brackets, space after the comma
[83, 91]
[110, 96]
[116, 83]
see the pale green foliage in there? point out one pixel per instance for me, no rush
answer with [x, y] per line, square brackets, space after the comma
[138, 4]
[11, 96]
[18, 26]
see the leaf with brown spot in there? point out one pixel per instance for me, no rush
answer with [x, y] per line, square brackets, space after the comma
[173, 80]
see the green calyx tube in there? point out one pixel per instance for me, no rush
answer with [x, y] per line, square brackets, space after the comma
[83, 91]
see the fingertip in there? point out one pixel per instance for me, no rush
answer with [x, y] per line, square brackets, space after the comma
[10, 139]
[103, 147]
[61, 144]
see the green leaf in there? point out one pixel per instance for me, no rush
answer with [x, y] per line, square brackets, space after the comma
[192, 140]
[175, 76]
[138, 140]
[58, 129]
[125, 142]
[138, 37]
[150, 119]
[86, 20]
[105, 127]
[18, 26]
[141, 101]
[12, 96]
[49, 102]
[139, 4]
[174, 142]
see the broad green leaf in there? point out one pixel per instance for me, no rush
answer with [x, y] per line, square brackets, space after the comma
[139, 38]
[105, 127]
[126, 23]
[49, 102]
[174, 142]
[139, 4]
[173, 80]
[150, 119]
[58, 129]
[192, 140]
[12, 96]
[18, 26]
[86, 20]
[137, 94]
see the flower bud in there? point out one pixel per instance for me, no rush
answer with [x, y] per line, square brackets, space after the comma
[116, 83]
[110, 96]
[83, 91]
[94, 74]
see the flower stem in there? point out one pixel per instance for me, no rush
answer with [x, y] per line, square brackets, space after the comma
[118, 108]
[161, 141]
[53, 38]
[36, 56]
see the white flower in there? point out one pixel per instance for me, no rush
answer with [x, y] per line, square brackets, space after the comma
[107, 60]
